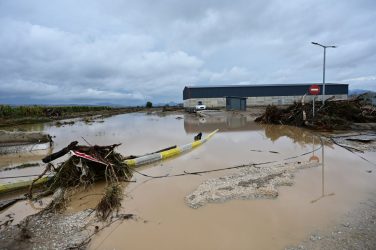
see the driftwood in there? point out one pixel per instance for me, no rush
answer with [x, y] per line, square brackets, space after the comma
[60, 153]
[334, 114]
[87, 165]
[73, 146]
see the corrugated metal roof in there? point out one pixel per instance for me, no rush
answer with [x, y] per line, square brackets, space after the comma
[260, 90]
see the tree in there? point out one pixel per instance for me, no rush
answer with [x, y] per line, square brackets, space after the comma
[149, 105]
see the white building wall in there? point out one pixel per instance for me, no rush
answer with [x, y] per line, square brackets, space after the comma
[209, 102]
[257, 101]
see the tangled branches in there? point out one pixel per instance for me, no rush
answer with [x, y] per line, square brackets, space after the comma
[335, 114]
[111, 201]
[85, 166]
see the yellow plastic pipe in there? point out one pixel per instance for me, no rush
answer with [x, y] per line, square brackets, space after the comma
[149, 158]
[9, 187]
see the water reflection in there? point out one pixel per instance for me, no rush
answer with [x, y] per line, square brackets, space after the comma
[298, 135]
[134, 130]
[314, 158]
[323, 194]
[236, 122]
[229, 122]
[225, 122]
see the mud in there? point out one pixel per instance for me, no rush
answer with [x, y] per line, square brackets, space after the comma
[356, 230]
[16, 142]
[319, 198]
[22, 137]
[360, 142]
[48, 231]
[251, 183]
[364, 126]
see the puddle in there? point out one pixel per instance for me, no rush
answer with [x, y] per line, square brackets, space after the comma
[319, 197]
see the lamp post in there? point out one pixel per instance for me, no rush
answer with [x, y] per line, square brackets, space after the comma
[323, 74]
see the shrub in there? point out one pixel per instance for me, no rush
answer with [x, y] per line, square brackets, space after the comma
[149, 105]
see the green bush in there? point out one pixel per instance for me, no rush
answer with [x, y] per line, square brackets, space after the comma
[149, 105]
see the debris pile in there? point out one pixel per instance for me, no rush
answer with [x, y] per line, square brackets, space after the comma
[86, 165]
[334, 114]
[252, 183]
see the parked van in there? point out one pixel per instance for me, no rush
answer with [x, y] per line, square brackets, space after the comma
[200, 106]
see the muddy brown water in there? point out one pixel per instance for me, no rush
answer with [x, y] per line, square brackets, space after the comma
[319, 198]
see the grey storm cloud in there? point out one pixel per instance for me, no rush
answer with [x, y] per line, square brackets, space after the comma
[128, 52]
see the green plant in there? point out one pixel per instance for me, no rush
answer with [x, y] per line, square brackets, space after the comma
[149, 105]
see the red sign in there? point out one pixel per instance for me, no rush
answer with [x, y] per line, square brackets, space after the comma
[314, 89]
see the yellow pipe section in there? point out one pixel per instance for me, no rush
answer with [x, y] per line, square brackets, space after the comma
[4, 188]
[9, 187]
[167, 153]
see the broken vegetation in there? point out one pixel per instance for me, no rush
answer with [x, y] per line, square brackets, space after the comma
[87, 165]
[333, 115]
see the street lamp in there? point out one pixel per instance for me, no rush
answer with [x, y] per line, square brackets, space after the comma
[323, 74]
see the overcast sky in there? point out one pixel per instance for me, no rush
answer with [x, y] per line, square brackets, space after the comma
[128, 52]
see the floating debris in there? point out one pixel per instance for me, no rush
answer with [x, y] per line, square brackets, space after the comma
[62, 123]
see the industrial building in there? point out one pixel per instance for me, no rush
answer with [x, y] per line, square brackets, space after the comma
[238, 97]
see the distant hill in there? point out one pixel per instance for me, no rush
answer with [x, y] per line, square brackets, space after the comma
[358, 91]
[110, 104]
[167, 104]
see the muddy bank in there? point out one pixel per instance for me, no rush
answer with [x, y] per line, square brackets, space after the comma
[356, 142]
[235, 224]
[253, 182]
[40, 114]
[15, 142]
[357, 230]
[22, 137]
[364, 126]
[48, 230]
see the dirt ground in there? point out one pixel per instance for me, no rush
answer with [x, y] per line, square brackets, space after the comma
[356, 231]
[47, 230]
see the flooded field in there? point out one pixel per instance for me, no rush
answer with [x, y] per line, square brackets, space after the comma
[319, 198]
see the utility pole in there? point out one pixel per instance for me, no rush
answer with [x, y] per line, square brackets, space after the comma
[323, 73]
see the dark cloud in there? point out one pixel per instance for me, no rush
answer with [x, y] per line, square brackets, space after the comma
[132, 51]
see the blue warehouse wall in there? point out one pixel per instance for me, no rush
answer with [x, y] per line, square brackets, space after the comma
[260, 90]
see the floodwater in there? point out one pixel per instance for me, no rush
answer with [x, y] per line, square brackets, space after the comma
[320, 197]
